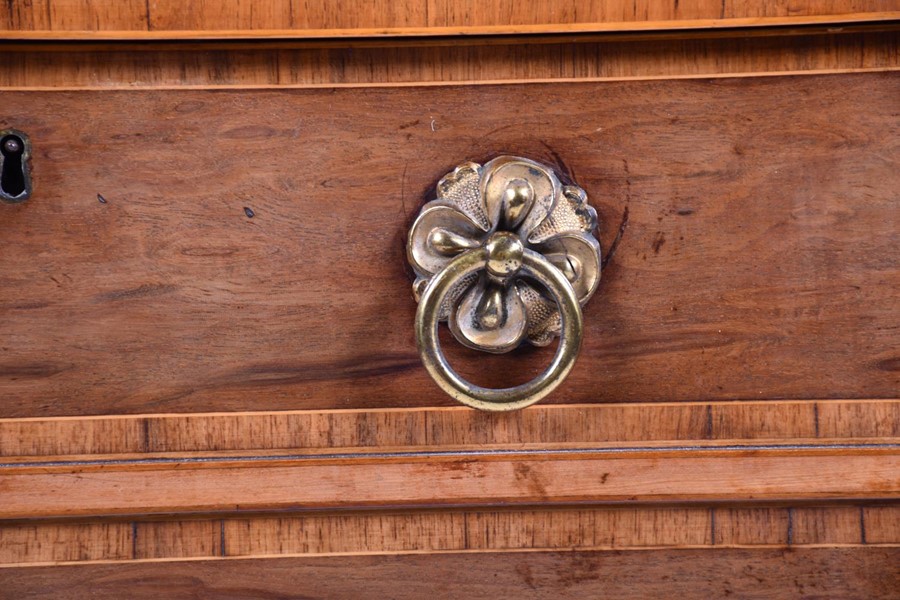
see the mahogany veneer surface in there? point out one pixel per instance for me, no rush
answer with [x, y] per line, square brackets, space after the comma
[756, 254]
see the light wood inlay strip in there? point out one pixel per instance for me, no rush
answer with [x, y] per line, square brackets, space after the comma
[65, 542]
[451, 428]
[838, 525]
[229, 485]
[875, 420]
[623, 528]
[177, 539]
[230, 66]
[751, 526]
[881, 524]
[201, 25]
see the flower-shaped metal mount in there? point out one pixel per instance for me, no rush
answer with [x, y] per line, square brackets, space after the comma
[512, 212]
[494, 311]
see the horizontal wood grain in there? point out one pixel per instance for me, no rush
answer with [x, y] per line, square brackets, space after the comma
[395, 480]
[848, 573]
[162, 19]
[428, 531]
[452, 428]
[286, 64]
[757, 253]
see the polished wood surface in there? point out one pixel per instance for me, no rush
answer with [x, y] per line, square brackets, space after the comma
[85, 447]
[161, 19]
[396, 480]
[449, 429]
[734, 427]
[769, 573]
[757, 241]
[482, 60]
[429, 531]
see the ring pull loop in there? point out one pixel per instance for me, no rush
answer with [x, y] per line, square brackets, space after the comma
[505, 255]
[513, 398]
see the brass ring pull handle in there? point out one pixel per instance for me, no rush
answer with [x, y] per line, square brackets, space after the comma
[505, 254]
[533, 265]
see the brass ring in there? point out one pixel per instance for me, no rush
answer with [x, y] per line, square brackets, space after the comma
[534, 266]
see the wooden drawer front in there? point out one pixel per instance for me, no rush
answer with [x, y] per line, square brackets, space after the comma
[206, 315]
[750, 228]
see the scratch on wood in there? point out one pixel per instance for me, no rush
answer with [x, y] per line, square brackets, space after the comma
[403, 188]
[790, 526]
[141, 291]
[222, 538]
[561, 165]
[615, 243]
[147, 11]
[145, 432]
[862, 525]
[265, 374]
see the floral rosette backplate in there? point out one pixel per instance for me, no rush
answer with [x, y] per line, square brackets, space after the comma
[524, 198]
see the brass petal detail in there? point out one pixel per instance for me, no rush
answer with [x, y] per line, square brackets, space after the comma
[489, 317]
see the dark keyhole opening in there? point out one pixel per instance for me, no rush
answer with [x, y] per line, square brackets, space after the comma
[12, 178]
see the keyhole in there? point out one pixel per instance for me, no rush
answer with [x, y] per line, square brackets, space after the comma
[14, 181]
